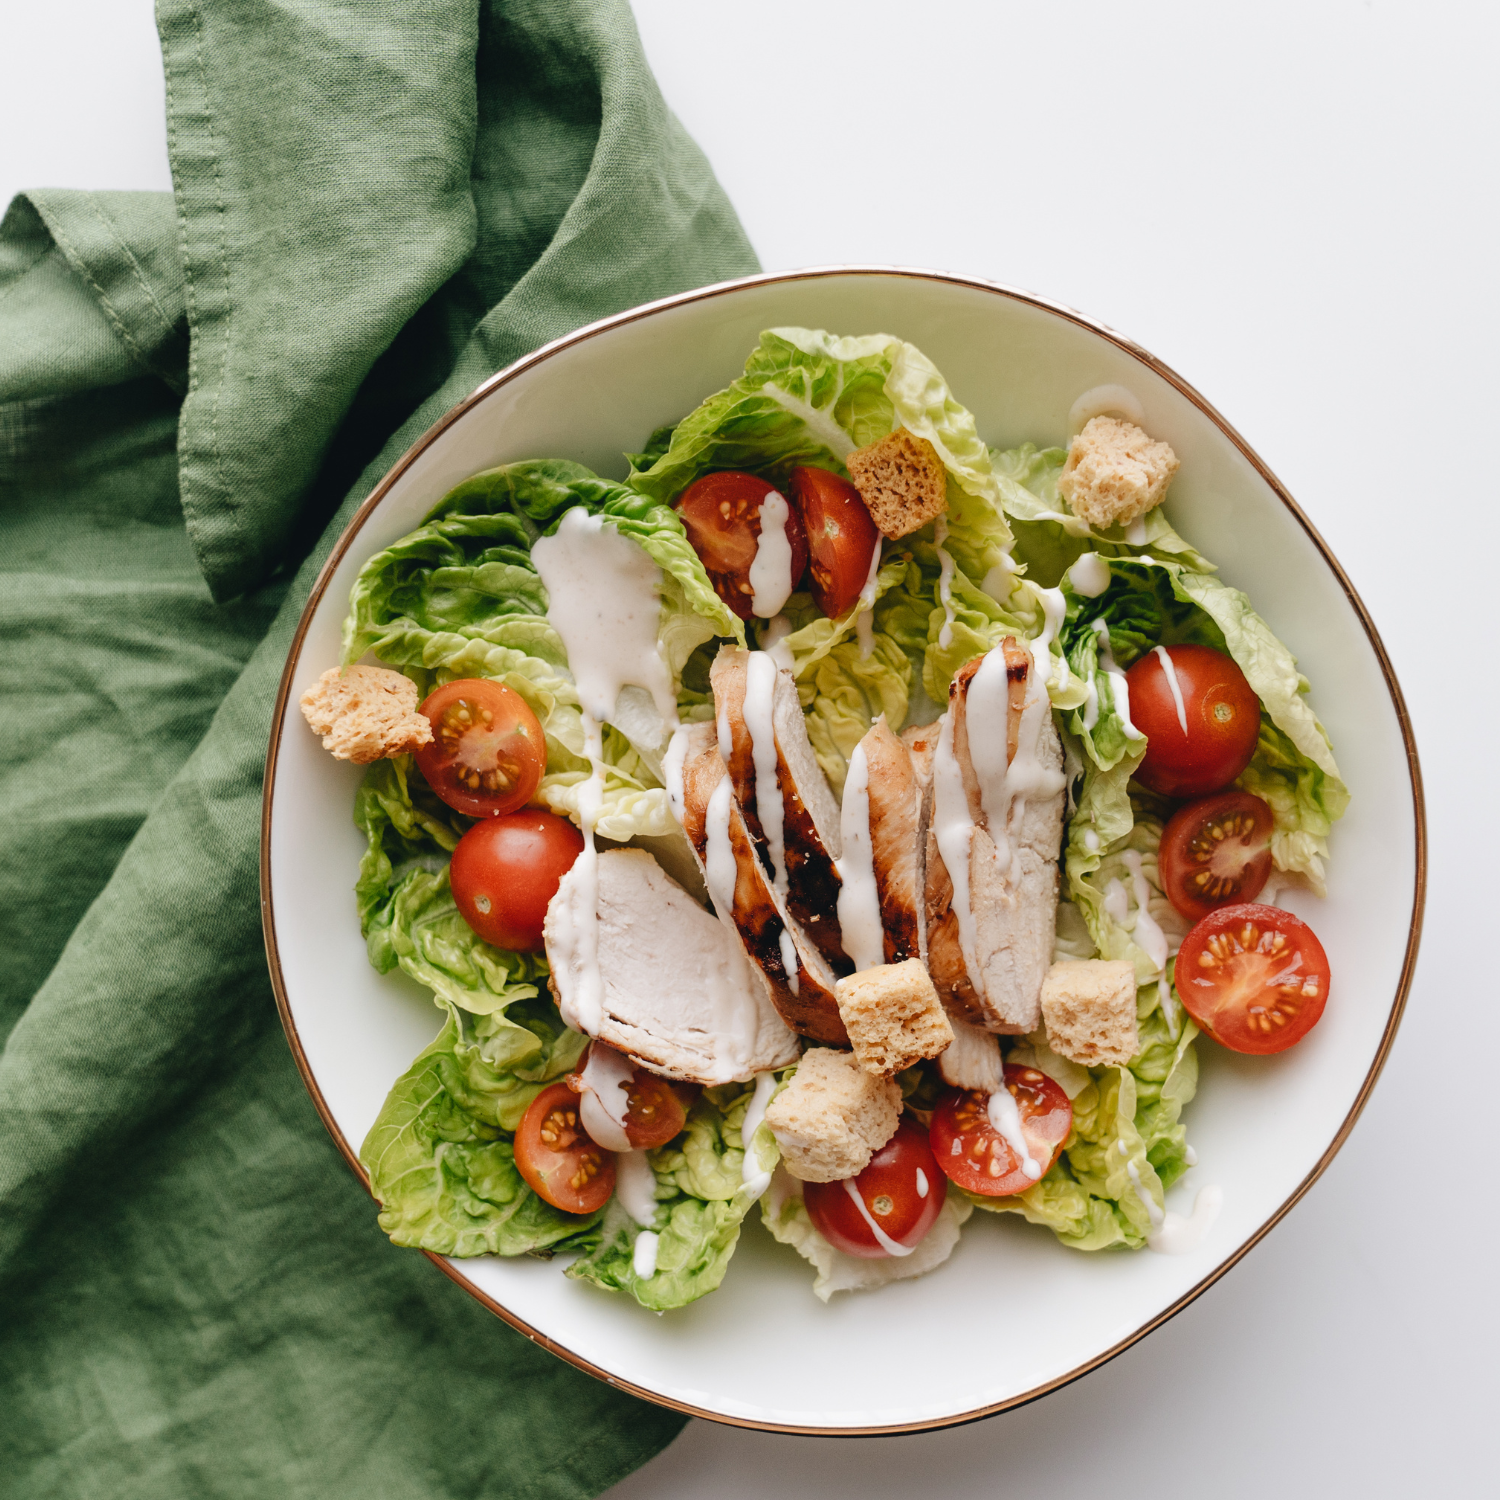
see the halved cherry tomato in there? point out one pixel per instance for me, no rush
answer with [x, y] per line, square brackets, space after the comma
[557, 1159]
[901, 1189]
[1254, 977]
[1221, 711]
[977, 1157]
[721, 515]
[655, 1108]
[841, 537]
[504, 872]
[1216, 852]
[487, 753]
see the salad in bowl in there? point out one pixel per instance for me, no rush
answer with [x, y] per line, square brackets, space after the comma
[837, 817]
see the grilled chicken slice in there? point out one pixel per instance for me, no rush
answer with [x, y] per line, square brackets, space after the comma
[757, 702]
[706, 1015]
[895, 806]
[800, 979]
[1012, 869]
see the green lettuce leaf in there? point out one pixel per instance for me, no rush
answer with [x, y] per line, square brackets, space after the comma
[446, 1180]
[701, 1203]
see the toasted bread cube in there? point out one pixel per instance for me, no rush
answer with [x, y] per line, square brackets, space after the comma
[893, 1016]
[833, 1116]
[1114, 473]
[1088, 1006]
[365, 713]
[902, 481]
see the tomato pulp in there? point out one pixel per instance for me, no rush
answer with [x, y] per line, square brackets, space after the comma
[1254, 977]
[504, 872]
[557, 1159]
[721, 514]
[841, 537]
[901, 1192]
[487, 754]
[978, 1157]
[1210, 741]
[1216, 852]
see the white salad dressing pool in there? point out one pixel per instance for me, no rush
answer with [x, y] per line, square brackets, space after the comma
[1089, 575]
[604, 1101]
[1177, 1235]
[770, 806]
[864, 621]
[635, 1186]
[603, 601]
[886, 1243]
[771, 573]
[859, 899]
[1005, 1117]
[1171, 675]
[945, 580]
[1105, 401]
[752, 1174]
[643, 1261]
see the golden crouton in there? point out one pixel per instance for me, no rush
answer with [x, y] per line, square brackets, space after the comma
[1088, 1006]
[902, 481]
[833, 1116]
[893, 1016]
[365, 713]
[1115, 473]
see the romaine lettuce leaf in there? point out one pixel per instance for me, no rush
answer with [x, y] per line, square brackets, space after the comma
[447, 1180]
[701, 1203]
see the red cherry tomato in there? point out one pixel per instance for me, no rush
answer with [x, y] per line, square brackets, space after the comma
[1254, 977]
[841, 537]
[721, 515]
[505, 871]
[977, 1157]
[487, 753]
[655, 1108]
[1216, 852]
[902, 1191]
[559, 1162]
[1221, 711]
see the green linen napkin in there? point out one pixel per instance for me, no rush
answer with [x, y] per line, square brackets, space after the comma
[378, 203]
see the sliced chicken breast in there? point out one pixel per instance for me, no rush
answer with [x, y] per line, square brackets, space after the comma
[1012, 880]
[800, 979]
[792, 816]
[895, 808]
[679, 994]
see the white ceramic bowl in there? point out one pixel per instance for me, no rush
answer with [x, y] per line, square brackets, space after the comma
[1012, 1314]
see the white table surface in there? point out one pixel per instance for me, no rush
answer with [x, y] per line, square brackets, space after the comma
[1295, 206]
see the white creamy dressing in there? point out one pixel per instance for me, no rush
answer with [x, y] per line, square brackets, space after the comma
[1178, 1235]
[604, 1101]
[945, 580]
[755, 1178]
[635, 1186]
[1105, 401]
[886, 1243]
[954, 830]
[1116, 681]
[1190, 1156]
[864, 621]
[998, 581]
[672, 764]
[922, 1185]
[771, 573]
[1091, 840]
[643, 1261]
[859, 898]
[1149, 937]
[1054, 611]
[604, 602]
[1089, 575]
[770, 806]
[1005, 1117]
[1176, 687]
[1135, 532]
[1153, 1213]
[773, 641]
